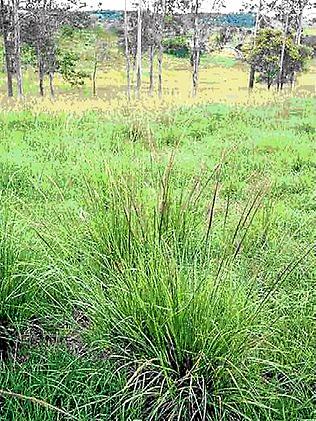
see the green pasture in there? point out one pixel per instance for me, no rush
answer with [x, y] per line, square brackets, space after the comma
[158, 266]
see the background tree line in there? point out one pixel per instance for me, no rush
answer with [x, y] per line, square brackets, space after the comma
[273, 50]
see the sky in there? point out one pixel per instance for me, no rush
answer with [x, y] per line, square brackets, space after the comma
[232, 5]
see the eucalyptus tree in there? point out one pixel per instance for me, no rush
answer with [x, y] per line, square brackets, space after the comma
[252, 73]
[6, 30]
[145, 29]
[41, 24]
[286, 13]
[139, 47]
[299, 7]
[140, 36]
[289, 13]
[152, 30]
[165, 10]
[162, 10]
[158, 11]
[134, 37]
[127, 51]
[201, 26]
[144, 32]
[266, 56]
[198, 17]
[16, 21]
[261, 9]
[11, 29]
[276, 52]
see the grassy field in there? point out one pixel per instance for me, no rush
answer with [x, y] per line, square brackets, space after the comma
[158, 265]
[157, 258]
[223, 78]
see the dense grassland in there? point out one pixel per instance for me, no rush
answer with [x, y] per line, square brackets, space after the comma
[158, 265]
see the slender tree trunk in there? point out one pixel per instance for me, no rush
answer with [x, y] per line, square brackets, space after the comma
[41, 72]
[127, 53]
[160, 48]
[94, 76]
[41, 83]
[51, 53]
[195, 77]
[282, 57]
[4, 16]
[9, 77]
[51, 84]
[51, 63]
[298, 39]
[252, 73]
[160, 69]
[17, 46]
[139, 50]
[196, 50]
[252, 76]
[151, 69]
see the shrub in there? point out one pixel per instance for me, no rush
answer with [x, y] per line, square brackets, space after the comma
[177, 46]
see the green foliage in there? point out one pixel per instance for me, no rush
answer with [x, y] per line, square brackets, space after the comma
[78, 383]
[67, 66]
[265, 57]
[8, 259]
[87, 49]
[29, 55]
[67, 31]
[218, 60]
[177, 46]
[16, 284]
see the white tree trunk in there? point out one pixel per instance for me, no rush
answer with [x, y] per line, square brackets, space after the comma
[127, 53]
[298, 40]
[51, 84]
[17, 46]
[7, 50]
[252, 69]
[139, 50]
[196, 50]
[160, 47]
[94, 76]
[41, 73]
[281, 70]
[151, 69]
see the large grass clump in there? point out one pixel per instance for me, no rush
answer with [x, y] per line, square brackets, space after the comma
[159, 268]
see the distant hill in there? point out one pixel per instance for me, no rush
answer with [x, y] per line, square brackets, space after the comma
[239, 20]
[108, 15]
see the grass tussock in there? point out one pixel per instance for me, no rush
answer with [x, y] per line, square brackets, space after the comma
[158, 268]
